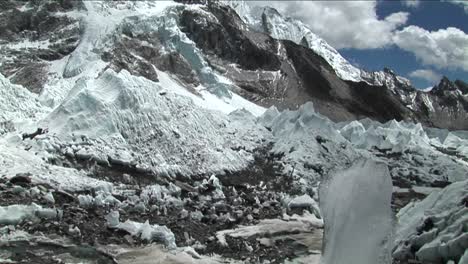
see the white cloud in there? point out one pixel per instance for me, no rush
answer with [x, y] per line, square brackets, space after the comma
[425, 74]
[445, 48]
[344, 24]
[411, 3]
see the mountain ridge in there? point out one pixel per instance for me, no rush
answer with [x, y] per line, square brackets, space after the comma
[263, 66]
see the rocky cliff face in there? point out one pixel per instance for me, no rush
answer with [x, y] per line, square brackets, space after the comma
[33, 33]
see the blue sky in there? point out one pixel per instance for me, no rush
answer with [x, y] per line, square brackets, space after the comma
[430, 15]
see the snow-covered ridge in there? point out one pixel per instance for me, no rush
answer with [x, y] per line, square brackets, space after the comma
[281, 27]
[291, 29]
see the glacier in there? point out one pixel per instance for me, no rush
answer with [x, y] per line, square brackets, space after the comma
[186, 135]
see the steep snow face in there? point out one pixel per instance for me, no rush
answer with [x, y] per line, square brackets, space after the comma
[137, 121]
[355, 206]
[287, 28]
[101, 19]
[280, 27]
[434, 229]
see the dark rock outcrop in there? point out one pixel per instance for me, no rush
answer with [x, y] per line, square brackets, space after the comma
[31, 34]
[251, 50]
[445, 106]
[141, 53]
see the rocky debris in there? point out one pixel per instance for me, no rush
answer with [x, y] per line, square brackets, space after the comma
[402, 196]
[32, 75]
[186, 212]
[43, 250]
[22, 179]
[33, 33]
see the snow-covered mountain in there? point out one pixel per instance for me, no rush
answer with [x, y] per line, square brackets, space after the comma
[419, 103]
[160, 145]
[272, 22]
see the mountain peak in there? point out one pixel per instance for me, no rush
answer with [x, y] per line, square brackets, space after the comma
[388, 70]
[446, 84]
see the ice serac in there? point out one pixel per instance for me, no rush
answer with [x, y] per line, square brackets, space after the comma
[355, 205]
[434, 229]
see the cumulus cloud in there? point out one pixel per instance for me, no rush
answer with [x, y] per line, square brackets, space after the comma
[426, 74]
[444, 48]
[344, 24]
[411, 3]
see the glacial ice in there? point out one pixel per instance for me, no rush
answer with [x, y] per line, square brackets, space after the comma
[18, 107]
[17, 213]
[126, 116]
[145, 231]
[355, 206]
[435, 226]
